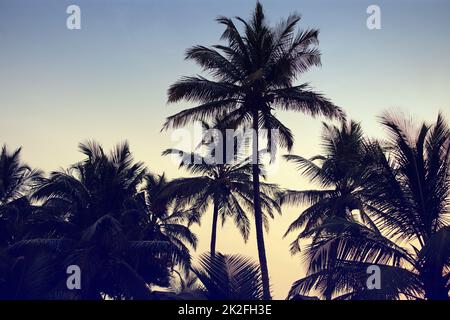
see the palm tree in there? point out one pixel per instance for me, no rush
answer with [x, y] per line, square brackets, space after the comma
[91, 204]
[227, 187]
[156, 214]
[218, 277]
[339, 173]
[252, 76]
[16, 179]
[406, 195]
[16, 219]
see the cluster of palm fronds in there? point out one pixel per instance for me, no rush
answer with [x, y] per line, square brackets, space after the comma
[107, 215]
[252, 76]
[125, 228]
[384, 204]
[378, 203]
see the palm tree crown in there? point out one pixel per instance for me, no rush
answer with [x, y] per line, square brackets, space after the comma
[253, 75]
[405, 233]
[91, 214]
[339, 172]
[224, 183]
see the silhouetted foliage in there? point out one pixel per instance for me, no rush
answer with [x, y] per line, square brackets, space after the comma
[229, 277]
[227, 185]
[377, 203]
[97, 217]
[405, 226]
[252, 76]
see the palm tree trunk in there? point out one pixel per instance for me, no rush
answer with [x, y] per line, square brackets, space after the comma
[330, 285]
[258, 213]
[214, 228]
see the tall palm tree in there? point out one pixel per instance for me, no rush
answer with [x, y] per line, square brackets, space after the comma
[253, 75]
[339, 172]
[407, 197]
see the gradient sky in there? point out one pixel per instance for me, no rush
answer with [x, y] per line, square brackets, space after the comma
[109, 80]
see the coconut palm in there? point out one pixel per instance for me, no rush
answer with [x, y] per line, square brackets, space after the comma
[225, 181]
[16, 224]
[406, 195]
[97, 186]
[156, 214]
[16, 179]
[91, 201]
[253, 75]
[227, 187]
[339, 173]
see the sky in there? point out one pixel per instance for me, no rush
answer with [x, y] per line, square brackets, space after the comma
[108, 81]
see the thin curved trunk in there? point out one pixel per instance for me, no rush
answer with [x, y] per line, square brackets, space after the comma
[258, 213]
[214, 228]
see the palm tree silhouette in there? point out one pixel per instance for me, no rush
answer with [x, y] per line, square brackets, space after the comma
[93, 205]
[253, 75]
[339, 172]
[156, 213]
[406, 197]
[226, 183]
[16, 219]
[16, 178]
